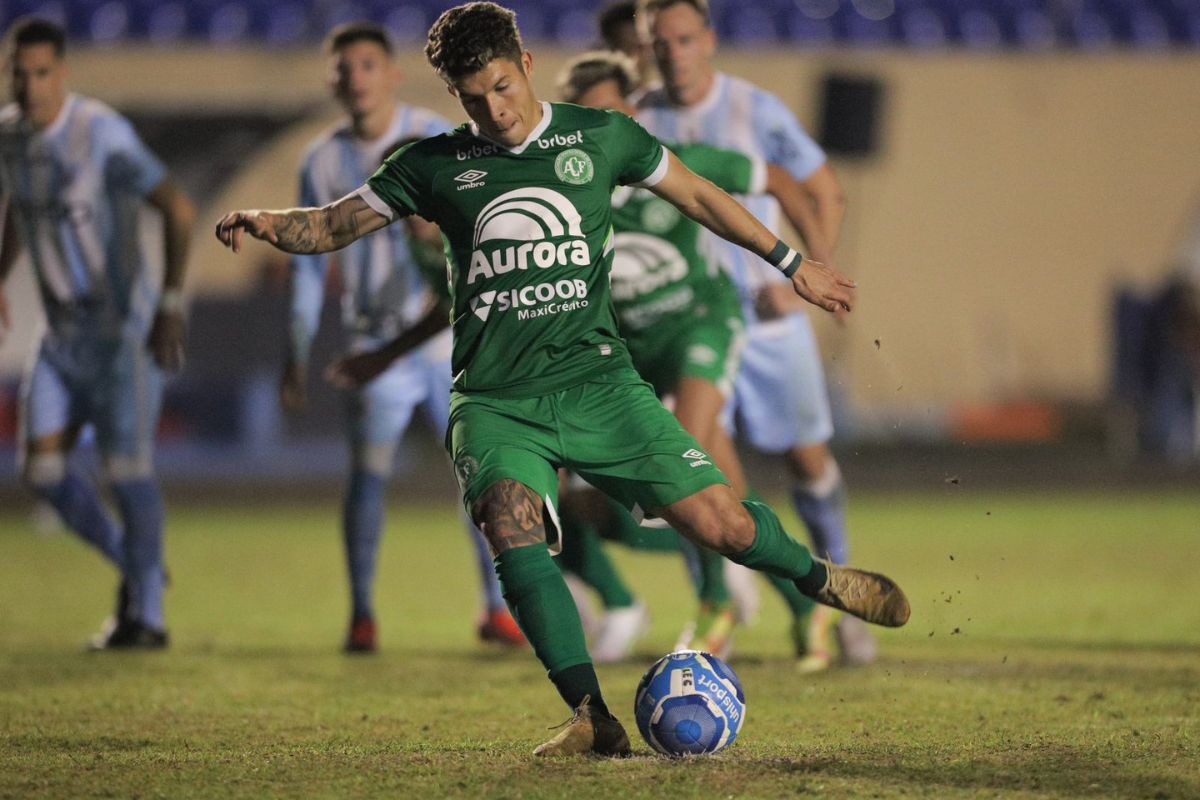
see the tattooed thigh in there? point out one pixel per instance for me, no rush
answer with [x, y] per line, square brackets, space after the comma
[509, 514]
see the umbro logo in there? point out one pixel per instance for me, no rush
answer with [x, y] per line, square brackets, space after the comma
[470, 179]
[697, 458]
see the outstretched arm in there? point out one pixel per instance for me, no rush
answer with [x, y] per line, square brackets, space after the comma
[304, 230]
[714, 209]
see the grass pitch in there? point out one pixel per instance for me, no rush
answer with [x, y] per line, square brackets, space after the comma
[1054, 651]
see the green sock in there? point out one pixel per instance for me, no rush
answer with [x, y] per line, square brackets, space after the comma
[797, 603]
[711, 589]
[776, 553]
[541, 604]
[584, 554]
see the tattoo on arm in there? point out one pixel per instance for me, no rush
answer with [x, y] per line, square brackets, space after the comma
[510, 515]
[299, 231]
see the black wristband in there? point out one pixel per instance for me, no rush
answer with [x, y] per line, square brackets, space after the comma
[785, 259]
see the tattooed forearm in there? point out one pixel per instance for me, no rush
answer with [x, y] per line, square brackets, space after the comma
[302, 230]
[510, 515]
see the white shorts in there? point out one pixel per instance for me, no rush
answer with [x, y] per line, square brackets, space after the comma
[779, 399]
[380, 412]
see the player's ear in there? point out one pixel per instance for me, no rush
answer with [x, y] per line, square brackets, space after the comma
[527, 63]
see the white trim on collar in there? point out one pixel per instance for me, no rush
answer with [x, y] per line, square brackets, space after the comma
[547, 112]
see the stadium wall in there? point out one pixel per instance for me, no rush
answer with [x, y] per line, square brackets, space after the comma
[1009, 196]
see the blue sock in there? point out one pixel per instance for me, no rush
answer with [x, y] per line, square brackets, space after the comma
[78, 503]
[823, 509]
[493, 597]
[142, 512]
[362, 528]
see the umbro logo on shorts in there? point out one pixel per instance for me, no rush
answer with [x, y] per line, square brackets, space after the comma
[697, 458]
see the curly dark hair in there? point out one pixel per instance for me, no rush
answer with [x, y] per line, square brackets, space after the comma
[467, 38]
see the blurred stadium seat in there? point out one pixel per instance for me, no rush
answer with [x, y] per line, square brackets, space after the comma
[1086, 25]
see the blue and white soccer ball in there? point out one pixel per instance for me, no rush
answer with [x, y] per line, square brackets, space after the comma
[689, 703]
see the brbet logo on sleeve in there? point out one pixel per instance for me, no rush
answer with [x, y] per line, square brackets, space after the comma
[574, 166]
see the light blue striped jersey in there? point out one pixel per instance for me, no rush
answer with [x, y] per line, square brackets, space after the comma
[76, 189]
[737, 115]
[383, 290]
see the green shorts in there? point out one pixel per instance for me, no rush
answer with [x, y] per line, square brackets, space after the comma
[612, 431]
[704, 342]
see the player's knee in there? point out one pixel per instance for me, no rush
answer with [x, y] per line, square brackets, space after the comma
[43, 471]
[374, 459]
[510, 515]
[810, 463]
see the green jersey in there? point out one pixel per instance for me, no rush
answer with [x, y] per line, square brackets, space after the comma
[529, 239]
[662, 268]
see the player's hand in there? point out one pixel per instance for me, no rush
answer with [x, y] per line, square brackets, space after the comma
[778, 299]
[293, 388]
[165, 341]
[356, 371]
[822, 285]
[259, 224]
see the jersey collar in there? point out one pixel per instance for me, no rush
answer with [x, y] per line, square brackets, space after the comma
[709, 101]
[547, 111]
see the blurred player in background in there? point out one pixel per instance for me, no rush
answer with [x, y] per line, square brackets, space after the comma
[780, 401]
[384, 293]
[522, 195]
[682, 320]
[619, 32]
[74, 176]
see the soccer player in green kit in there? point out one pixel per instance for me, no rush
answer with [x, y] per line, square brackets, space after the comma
[542, 380]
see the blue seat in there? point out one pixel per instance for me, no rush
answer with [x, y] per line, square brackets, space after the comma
[923, 27]
[162, 23]
[283, 24]
[408, 22]
[980, 29]
[750, 24]
[807, 30]
[106, 21]
[861, 31]
[1089, 30]
[577, 26]
[1034, 30]
[227, 23]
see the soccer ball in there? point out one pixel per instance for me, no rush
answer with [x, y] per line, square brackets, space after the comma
[689, 703]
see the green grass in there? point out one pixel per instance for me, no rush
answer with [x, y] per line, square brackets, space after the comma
[1054, 651]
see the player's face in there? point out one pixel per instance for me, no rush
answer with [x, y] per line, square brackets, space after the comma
[683, 48]
[606, 95]
[39, 82]
[500, 100]
[364, 77]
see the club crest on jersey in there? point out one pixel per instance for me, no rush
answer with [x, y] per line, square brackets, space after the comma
[574, 166]
[470, 179]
